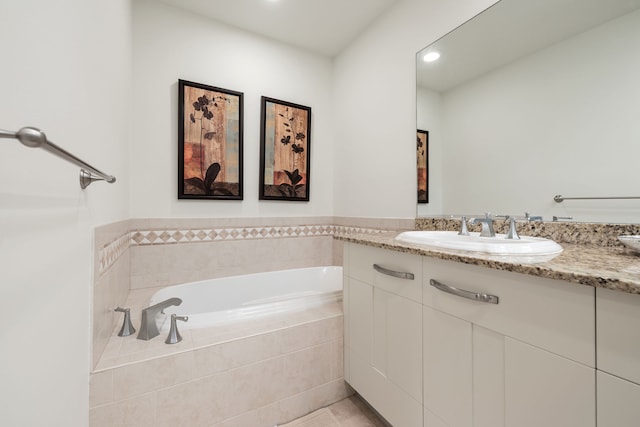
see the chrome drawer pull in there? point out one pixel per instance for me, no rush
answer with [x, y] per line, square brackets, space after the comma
[398, 274]
[491, 299]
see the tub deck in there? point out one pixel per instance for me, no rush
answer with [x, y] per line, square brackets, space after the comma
[122, 351]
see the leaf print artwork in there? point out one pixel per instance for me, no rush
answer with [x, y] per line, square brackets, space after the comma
[210, 142]
[284, 150]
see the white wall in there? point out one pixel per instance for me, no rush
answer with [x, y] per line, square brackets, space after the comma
[375, 107]
[170, 44]
[561, 121]
[66, 70]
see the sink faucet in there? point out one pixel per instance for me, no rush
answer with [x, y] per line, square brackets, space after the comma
[148, 327]
[487, 225]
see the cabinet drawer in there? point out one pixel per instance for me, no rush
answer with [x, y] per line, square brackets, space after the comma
[618, 332]
[361, 267]
[554, 315]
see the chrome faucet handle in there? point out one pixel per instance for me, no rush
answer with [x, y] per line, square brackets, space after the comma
[513, 232]
[463, 226]
[532, 218]
[174, 336]
[127, 327]
[562, 218]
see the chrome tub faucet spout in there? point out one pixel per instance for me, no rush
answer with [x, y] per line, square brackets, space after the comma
[148, 327]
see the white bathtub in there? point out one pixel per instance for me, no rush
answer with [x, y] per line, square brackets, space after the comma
[228, 299]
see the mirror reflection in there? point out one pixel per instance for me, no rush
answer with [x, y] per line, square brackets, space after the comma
[532, 99]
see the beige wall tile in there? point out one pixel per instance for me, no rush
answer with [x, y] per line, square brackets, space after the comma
[308, 368]
[110, 290]
[143, 377]
[100, 388]
[310, 334]
[197, 403]
[137, 412]
[337, 359]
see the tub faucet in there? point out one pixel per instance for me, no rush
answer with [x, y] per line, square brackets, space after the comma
[487, 225]
[148, 327]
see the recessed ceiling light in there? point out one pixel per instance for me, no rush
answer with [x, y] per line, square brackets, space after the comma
[431, 56]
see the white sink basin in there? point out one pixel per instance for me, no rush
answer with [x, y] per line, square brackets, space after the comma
[536, 247]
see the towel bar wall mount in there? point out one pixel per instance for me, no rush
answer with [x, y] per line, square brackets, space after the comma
[35, 138]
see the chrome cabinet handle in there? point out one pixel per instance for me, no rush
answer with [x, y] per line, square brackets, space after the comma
[392, 273]
[491, 299]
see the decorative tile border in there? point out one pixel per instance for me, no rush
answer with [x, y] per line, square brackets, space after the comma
[110, 253]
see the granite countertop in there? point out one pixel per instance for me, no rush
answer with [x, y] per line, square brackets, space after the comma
[601, 266]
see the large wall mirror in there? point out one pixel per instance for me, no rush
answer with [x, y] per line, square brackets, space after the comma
[532, 99]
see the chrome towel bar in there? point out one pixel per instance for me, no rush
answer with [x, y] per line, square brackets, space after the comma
[35, 138]
[559, 199]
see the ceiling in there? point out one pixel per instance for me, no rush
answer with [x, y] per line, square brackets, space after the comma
[322, 26]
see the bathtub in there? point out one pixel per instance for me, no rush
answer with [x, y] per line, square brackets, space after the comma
[215, 302]
[250, 374]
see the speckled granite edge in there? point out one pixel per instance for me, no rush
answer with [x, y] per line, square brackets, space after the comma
[594, 234]
[600, 267]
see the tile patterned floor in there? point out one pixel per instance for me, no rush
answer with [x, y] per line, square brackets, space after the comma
[349, 412]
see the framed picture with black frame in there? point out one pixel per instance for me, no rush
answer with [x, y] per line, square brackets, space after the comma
[210, 132]
[285, 150]
[422, 156]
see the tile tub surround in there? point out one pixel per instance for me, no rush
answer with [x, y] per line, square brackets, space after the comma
[111, 282]
[166, 252]
[256, 373]
[141, 253]
[140, 250]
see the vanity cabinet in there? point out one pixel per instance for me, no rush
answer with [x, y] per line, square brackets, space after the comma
[526, 361]
[425, 357]
[383, 331]
[618, 344]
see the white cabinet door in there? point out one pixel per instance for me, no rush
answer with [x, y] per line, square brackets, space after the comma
[488, 378]
[383, 336]
[618, 332]
[385, 352]
[447, 370]
[544, 389]
[618, 402]
[463, 373]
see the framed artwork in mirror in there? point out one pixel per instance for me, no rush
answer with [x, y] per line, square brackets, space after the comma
[210, 133]
[422, 155]
[285, 142]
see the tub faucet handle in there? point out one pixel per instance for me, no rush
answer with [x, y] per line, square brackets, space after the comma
[127, 327]
[174, 336]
